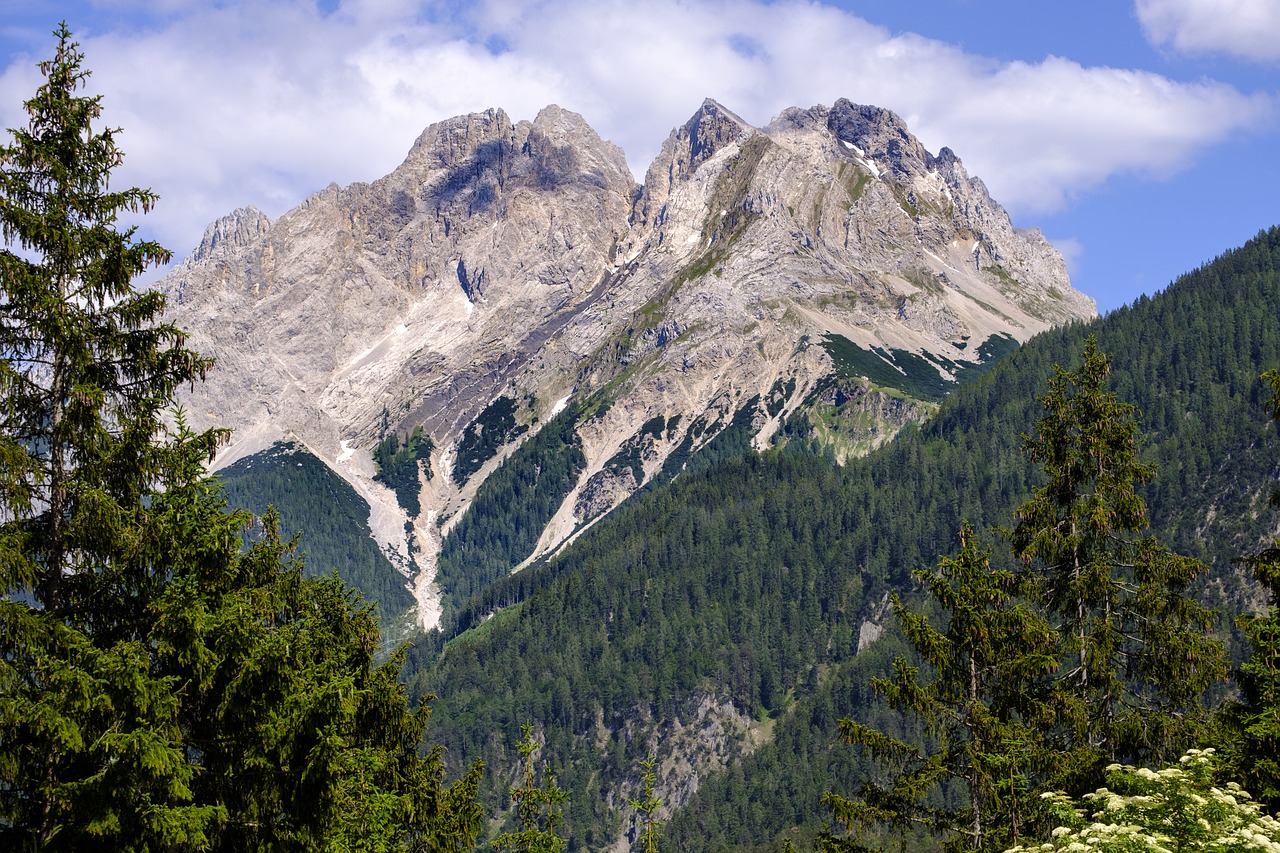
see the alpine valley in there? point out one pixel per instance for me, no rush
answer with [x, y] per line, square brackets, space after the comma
[644, 466]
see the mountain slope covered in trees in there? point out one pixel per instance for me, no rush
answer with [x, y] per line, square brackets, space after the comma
[328, 516]
[751, 583]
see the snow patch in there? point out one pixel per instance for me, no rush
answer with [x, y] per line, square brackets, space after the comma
[347, 451]
[855, 149]
[560, 405]
[467, 304]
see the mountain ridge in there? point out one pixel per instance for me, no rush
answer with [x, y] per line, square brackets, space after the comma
[517, 265]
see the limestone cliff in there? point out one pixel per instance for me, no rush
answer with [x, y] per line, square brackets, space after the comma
[505, 269]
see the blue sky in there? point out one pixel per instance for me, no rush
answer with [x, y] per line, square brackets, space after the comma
[1141, 136]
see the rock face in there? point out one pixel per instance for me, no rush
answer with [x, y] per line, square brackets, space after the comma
[522, 262]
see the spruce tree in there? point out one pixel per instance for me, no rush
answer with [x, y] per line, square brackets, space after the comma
[160, 689]
[538, 807]
[1138, 652]
[89, 744]
[979, 707]
[646, 807]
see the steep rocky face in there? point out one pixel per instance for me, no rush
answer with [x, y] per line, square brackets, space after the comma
[755, 249]
[504, 269]
[414, 298]
[403, 294]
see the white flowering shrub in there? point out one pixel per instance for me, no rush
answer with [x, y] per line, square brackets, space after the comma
[1168, 811]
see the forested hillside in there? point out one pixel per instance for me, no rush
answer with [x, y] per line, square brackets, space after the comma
[328, 516]
[752, 581]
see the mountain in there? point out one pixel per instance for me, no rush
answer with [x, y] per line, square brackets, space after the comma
[724, 622]
[824, 272]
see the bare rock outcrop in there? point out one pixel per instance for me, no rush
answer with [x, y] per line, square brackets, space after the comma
[520, 261]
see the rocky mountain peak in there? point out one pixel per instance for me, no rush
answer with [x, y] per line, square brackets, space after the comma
[508, 271]
[562, 147]
[707, 132]
[711, 128]
[456, 140]
[881, 135]
[235, 230]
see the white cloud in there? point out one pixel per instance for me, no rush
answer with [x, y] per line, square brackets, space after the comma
[1244, 28]
[265, 101]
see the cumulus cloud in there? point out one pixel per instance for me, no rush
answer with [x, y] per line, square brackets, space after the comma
[1244, 28]
[265, 101]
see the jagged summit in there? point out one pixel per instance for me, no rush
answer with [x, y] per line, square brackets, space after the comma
[880, 135]
[695, 142]
[505, 269]
[236, 230]
[711, 127]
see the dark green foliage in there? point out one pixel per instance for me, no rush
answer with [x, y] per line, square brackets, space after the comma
[731, 600]
[399, 466]
[980, 708]
[90, 741]
[493, 427]
[329, 516]
[510, 509]
[1136, 656]
[729, 442]
[774, 793]
[902, 370]
[298, 738]
[160, 689]
[1137, 652]
[914, 375]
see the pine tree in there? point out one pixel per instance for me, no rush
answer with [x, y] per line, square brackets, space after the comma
[646, 807]
[85, 725]
[1138, 653]
[978, 711]
[159, 689]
